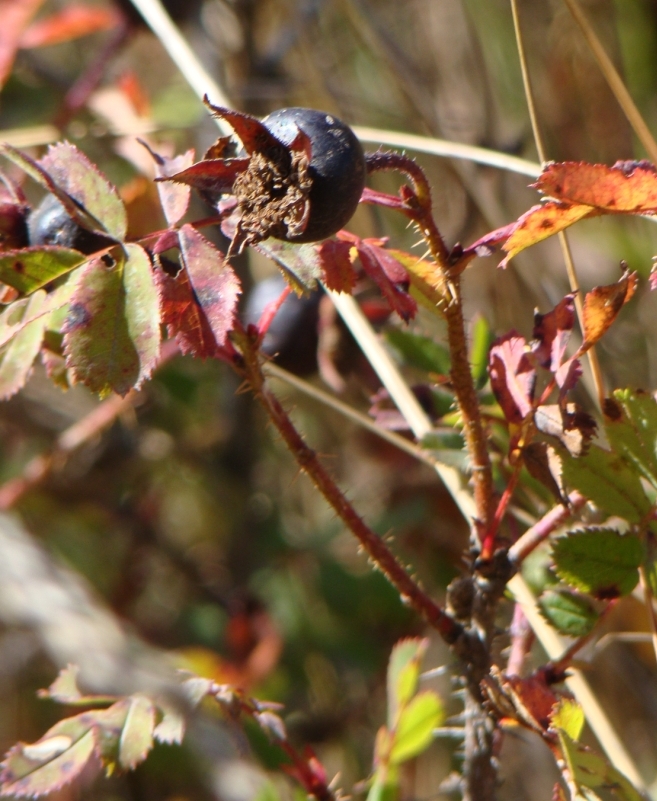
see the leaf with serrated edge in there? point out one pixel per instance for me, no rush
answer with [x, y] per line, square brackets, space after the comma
[32, 268]
[174, 197]
[414, 731]
[137, 735]
[608, 480]
[599, 561]
[406, 653]
[302, 265]
[337, 270]
[39, 778]
[76, 175]
[425, 276]
[512, 376]
[602, 305]
[22, 312]
[631, 428]
[171, 728]
[568, 716]
[65, 690]
[568, 613]
[589, 769]
[112, 332]
[215, 284]
[17, 358]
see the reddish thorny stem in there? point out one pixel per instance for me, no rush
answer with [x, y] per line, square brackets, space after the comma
[250, 368]
[417, 206]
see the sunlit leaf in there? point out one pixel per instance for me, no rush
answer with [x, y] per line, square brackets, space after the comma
[76, 175]
[213, 280]
[403, 674]
[17, 358]
[112, 332]
[609, 481]
[171, 728]
[425, 277]
[414, 731]
[337, 270]
[631, 427]
[628, 186]
[22, 312]
[602, 305]
[174, 197]
[31, 268]
[65, 690]
[541, 222]
[588, 769]
[512, 376]
[137, 735]
[390, 276]
[599, 561]
[552, 332]
[570, 614]
[568, 716]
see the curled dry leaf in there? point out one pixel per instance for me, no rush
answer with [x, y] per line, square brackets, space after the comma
[602, 305]
[512, 376]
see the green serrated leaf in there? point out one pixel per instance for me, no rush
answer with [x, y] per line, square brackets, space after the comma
[112, 333]
[301, 263]
[631, 426]
[17, 358]
[414, 731]
[75, 174]
[419, 351]
[568, 716]
[30, 269]
[137, 735]
[590, 770]
[568, 613]
[601, 561]
[403, 674]
[481, 338]
[22, 312]
[609, 481]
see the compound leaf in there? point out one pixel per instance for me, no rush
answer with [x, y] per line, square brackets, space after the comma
[414, 731]
[570, 614]
[600, 561]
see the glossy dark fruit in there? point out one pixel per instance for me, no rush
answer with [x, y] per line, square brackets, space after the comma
[51, 224]
[292, 337]
[337, 168]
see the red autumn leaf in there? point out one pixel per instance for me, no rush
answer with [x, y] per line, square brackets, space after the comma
[552, 332]
[174, 197]
[184, 317]
[512, 376]
[216, 287]
[541, 222]
[71, 22]
[602, 305]
[390, 276]
[375, 198]
[628, 186]
[213, 175]
[337, 270]
[255, 137]
[486, 245]
[16, 15]
[568, 375]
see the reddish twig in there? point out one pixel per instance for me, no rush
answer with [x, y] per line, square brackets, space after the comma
[522, 639]
[541, 530]
[250, 369]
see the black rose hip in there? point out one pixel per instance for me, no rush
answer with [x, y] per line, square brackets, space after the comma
[299, 177]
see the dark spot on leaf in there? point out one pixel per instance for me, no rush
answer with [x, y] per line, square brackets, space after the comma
[67, 767]
[607, 593]
[77, 317]
[107, 260]
[611, 409]
[19, 267]
[545, 224]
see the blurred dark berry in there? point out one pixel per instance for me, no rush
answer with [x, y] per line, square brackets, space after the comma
[51, 224]
[292, 337]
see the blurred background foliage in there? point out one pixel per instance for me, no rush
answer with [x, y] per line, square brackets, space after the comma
[188, 517]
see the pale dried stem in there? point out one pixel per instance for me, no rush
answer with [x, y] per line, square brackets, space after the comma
[563, 239]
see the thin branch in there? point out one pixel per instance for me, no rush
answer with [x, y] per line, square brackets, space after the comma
[251, 370]
[542, 529]
[563, 239]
